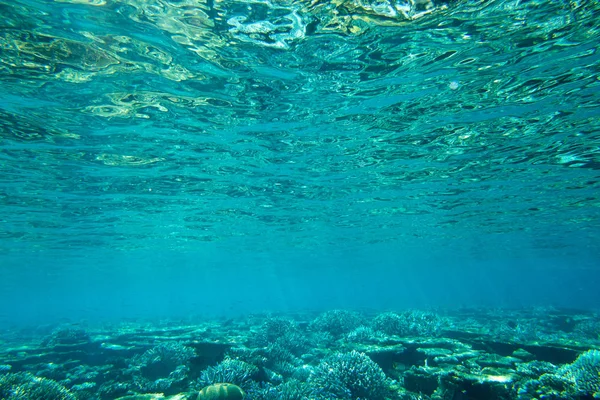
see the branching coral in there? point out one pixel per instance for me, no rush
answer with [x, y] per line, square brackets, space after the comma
[162, 366]
[364, 334]
[350, 376]
[228, 371]
[409, 323]
[275, 328]
[337, 322]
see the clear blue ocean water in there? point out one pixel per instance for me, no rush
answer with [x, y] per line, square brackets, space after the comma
[177, 158]
[299, 199]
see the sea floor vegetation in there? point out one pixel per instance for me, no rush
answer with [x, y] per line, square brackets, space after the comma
[467, 354]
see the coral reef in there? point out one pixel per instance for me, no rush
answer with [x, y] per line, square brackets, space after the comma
[341, 354]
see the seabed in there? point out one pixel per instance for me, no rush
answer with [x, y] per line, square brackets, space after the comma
[338, 354]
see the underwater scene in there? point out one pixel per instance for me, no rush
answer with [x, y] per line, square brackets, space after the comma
[299, 199]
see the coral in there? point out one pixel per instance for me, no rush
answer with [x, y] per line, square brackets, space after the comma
[162, 367]
[284, 333]
[520, 330]
[167, 355]
[274, 328]
[364, 334]
[277, 353]
[548, 386]
[294, 341]
[297, 360]
[418, 323]
[584, 373]
[232, 371]
[350, 376]
[112, 390]
[262, 391]
[535, 369]
[589, 328]
[86, 391]
[389, 323]
[294, 390]
[84, 386]
[290, 390]
[67, 335]
[25, 386]
[274, 376]
[528, 389]
[577, 380]
[302, 373]
[336, 322]
[221, 391]
[255, 357]
[54, 371]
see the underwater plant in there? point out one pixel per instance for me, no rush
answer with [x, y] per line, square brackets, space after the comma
[350, 375]
[25, 386]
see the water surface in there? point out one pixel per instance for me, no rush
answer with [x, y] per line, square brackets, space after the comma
[228, 156]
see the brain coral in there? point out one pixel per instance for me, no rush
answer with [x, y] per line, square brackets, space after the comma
[221, 391]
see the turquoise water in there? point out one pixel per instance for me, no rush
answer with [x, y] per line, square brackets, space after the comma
[174, 158]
